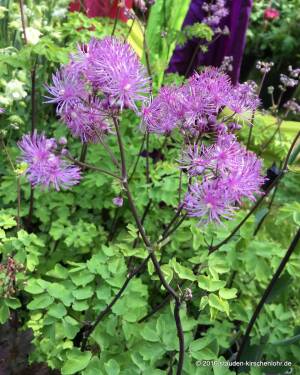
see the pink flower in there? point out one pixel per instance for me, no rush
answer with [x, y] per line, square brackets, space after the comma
[271, 14]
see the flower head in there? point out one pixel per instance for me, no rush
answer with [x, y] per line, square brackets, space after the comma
[44, 166]
[226, 173]
[165, 112]
[214, 85]
[271, 14]
[67, 89]
[242, 98]
[209, 201]
[86, 120]
[118, 201]
[116, 70]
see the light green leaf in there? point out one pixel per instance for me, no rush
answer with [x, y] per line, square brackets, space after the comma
[209, 284]
[218, 303]
[227, 293]
[112, 367]
[4, 313]
[57, 310]
[40, 302]
[76, 361]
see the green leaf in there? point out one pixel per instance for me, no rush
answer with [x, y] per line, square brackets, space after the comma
[112, 367]
[40, 302]
[4, 313]
[82, 277]
[217, 303]
[227, 293]
[57, 310]
[33, 287]
[83, 293]
[13, 303]
[149, 333]
[59, 272]
[209, 284]
[93, 367]
[70, 326]
[182, 271]
[76, 361]
[61, 292]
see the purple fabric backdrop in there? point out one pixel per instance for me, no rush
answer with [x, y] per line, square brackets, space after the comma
[231, 45]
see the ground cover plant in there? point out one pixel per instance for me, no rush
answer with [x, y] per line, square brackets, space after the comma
[149, 223]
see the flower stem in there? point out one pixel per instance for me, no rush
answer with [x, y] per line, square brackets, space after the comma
[266, 294]
[150, 249]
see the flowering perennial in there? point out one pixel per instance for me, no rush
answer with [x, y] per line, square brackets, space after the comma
[102, 75]
[105, 77]
[226, 172]
[45, 167]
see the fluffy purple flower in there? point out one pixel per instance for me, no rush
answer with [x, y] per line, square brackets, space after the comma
[214, 84]
[165, 112]
[242, 98]
[116, 70]
[86, 120]
[198, 108]
[209, 201]
[67, 89]
[192, 161]
[223, 155]
[44, 166]
[2, 110]
[226, 173]
[244, 181]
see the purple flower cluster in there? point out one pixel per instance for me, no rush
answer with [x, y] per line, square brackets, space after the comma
[216, 11]
[102, 75]
[46, 166]
[225, 173]
[194, 107]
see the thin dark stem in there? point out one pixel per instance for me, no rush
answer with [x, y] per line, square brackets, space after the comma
[147, 159]
[150, 249]
[137, 159]
[253, 112]
[180, 186]
[92, 167]
[108, 308]
[130, 29]
[33, 102]
[188, 70]
[156, 308]
[266, 294]
[269, 208]
[107, 148]
[191, 63]
[266, 144]
[31, 205]
[177, 213]
[19, 203]
[83, 153]
[180, 335]
[7, 155]
[116, 21]
[21, 4]
[260, 200]
[176, 226]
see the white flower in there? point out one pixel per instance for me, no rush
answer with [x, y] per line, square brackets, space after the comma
[32, 35]
[60, 12]
[14, 90]
[2, 12]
